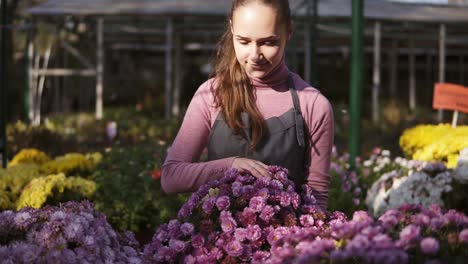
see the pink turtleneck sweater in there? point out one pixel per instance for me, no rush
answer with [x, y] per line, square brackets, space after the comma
[182, 172]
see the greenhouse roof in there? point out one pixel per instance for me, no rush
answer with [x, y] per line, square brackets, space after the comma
[373, 9]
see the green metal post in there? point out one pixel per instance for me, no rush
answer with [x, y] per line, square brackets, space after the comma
[28, 73]
[356, 81]
[3, 83]
[313, 45]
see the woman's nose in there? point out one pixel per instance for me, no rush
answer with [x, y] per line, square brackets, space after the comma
[255, 52]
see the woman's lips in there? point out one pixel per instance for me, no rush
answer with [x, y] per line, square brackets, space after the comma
[258, 65]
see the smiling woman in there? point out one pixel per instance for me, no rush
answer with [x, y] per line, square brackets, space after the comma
[253, 112]
[260, 48]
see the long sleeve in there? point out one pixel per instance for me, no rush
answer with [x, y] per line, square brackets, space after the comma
[181, 172]
[321, 132]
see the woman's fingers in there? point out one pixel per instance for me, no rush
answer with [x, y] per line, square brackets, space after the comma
[257, 168]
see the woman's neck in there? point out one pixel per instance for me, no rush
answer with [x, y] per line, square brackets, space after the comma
[277, 77]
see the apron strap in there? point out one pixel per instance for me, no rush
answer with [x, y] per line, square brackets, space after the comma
[297, 112]
[246, 121]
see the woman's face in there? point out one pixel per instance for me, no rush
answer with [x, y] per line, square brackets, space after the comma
[259, 38]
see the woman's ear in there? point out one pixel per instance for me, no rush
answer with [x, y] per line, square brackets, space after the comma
[230, 26]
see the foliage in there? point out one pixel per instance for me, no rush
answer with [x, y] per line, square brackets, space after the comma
[348, 188]
[22, 136]
[126, 192]
[81, 132]
[435, 142]
[133, 126]
[71, 233]
[53, 189]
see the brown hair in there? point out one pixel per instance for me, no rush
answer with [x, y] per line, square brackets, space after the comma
[234, 93]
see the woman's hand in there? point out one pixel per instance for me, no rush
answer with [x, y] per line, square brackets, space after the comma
[257, 168]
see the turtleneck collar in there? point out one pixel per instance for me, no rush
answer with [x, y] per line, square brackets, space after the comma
[277, 77]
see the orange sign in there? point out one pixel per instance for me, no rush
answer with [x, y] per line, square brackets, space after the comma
[450, 97]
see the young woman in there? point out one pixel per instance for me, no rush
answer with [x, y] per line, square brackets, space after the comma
[253, 112]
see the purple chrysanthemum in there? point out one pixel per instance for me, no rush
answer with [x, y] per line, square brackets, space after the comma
[198, 241]
[429, 245]
[234, 248]
[222, 203]
[228, 224]
[187, 229]
[177, 245]
[463, 236]
[257, 203]
[307, 220]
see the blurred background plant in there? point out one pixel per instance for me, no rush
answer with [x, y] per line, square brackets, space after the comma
[134, 143]
[33, 179]
[348, 188]
[81, 132]
[124, 184]
[383, 182]
[129, 190]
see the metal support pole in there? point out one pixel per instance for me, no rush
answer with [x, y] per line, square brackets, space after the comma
[3, 83]
[38, 100]
[440, 113]
[461, 63]
[412, 77]
[455, 118]
[307, 44]
[33, 92]
[428, 68]
[310, 43]
[376, 73]
[356, 80]
[99, 67]
[168, 83]
[393, 69]
[315, 37]
[179, 49]
[29, 59]
[292, 50]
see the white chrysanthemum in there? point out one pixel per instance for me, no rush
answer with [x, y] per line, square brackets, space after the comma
[367, 163]
[461, 171]
[393, 190]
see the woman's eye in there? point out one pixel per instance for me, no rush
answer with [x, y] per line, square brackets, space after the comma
[271, 43]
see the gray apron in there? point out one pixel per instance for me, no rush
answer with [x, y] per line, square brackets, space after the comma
[284, 143]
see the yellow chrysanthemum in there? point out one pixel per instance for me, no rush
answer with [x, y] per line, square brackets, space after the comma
[5, 202]
[84, 187]
[95, 157]
[71, 163]
[435, 142]
[35, 194]
[12, 181]
[29, 156]
[39, 190]
[452, 161]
